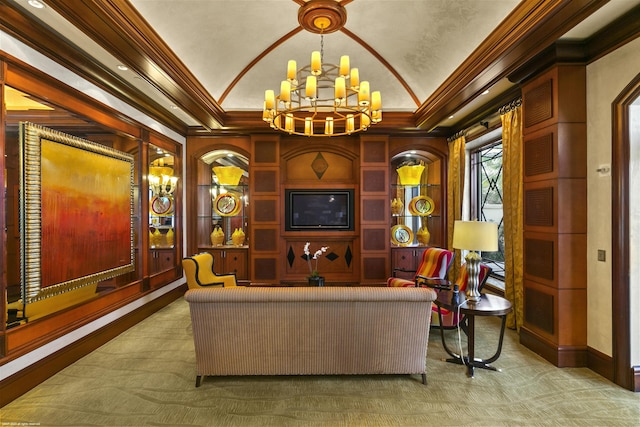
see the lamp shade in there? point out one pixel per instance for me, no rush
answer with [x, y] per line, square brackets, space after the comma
[475, 236]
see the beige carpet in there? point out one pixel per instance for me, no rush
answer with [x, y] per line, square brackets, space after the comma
[145, 377]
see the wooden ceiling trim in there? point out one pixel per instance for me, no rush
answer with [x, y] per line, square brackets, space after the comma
[20, 26]
[482, 114]
[619, 32]
[256, 60]
[25, 78]
[121, 30]
[530, 28]
[384, 62]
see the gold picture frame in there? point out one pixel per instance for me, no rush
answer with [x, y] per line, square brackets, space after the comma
[76, 212]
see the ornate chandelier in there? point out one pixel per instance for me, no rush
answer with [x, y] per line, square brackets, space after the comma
[322, 99]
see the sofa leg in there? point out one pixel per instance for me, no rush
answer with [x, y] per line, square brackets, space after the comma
[424, 379]
[198, 380]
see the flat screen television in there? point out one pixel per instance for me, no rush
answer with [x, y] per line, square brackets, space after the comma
[319, 210]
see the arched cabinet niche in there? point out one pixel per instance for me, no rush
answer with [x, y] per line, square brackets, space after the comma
[163, 181]
[417, 205]
[223, 205]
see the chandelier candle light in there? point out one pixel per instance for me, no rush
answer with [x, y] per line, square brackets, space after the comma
[322, 99]
[475, 236]
[161, 180]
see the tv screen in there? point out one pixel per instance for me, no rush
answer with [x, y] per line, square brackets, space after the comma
[319, 210]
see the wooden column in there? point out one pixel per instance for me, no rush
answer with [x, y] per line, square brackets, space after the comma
[264, 193]
[374, 209]
[555, 215]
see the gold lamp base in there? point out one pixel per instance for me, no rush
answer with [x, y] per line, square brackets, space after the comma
[473, 268]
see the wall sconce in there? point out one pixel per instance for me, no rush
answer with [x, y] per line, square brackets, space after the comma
[162, 184]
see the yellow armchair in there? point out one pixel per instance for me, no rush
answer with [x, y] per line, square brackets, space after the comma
[199, 271]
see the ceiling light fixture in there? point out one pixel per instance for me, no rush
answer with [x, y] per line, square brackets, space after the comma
[37, 4]
[322, 99]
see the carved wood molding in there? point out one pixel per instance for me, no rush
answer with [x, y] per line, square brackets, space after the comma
[120, 29]
[21, 27]
[528, 30]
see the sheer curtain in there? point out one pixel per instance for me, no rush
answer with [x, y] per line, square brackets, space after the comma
[455, 190]
[512, 175]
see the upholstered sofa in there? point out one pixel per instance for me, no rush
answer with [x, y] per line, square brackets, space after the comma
[310, 331]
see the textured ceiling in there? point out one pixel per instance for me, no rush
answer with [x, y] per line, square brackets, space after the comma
[406, 49]
[412, 51]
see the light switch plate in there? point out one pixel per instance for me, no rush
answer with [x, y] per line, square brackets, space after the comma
[602, 255]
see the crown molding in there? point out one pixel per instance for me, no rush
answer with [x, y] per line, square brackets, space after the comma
[120, 29]
[20, 26]
[528, 30]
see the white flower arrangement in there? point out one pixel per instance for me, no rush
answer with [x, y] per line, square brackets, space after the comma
[317, 254]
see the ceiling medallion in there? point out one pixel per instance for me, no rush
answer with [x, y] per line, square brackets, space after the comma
[322, 16]
[322, 99]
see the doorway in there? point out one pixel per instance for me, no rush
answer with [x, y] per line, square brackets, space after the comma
[625, 236]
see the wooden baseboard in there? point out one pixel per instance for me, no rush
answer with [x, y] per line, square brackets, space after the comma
[23, 381]
[600, 363]
[560, 356]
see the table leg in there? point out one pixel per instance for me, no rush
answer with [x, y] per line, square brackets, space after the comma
[483, 363]
[471, 345]
[499, 350]
[455, 358]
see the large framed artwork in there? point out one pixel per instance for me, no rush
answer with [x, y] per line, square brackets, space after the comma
[76, 212]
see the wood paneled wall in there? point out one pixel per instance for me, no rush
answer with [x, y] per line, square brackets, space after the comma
[279, 162]
[374, 198]
[264, 190]
[555, 212]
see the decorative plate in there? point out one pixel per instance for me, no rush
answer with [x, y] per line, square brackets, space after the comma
[421, 206]
[226, 204]
[161, 205]
[401, 235]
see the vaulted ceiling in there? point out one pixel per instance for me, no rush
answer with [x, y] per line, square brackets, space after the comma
[206, 64]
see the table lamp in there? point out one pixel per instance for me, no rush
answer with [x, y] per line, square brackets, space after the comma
[475, 236]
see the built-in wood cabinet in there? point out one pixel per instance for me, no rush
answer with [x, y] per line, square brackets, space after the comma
[279, 165]
[405, 261]
[162, 259]
[163, 180]
[230, 259]
[416, 200]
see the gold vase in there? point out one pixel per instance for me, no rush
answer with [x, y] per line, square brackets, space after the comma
[238, 237]
[169, 237]
[217, 236]
[423, 235]
[228, 175]
[397, 207]
[410, 175]
[156, 239]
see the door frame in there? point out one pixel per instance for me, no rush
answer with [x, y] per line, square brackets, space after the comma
[624, 374]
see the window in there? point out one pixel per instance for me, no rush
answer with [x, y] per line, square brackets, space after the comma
[486, 199]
